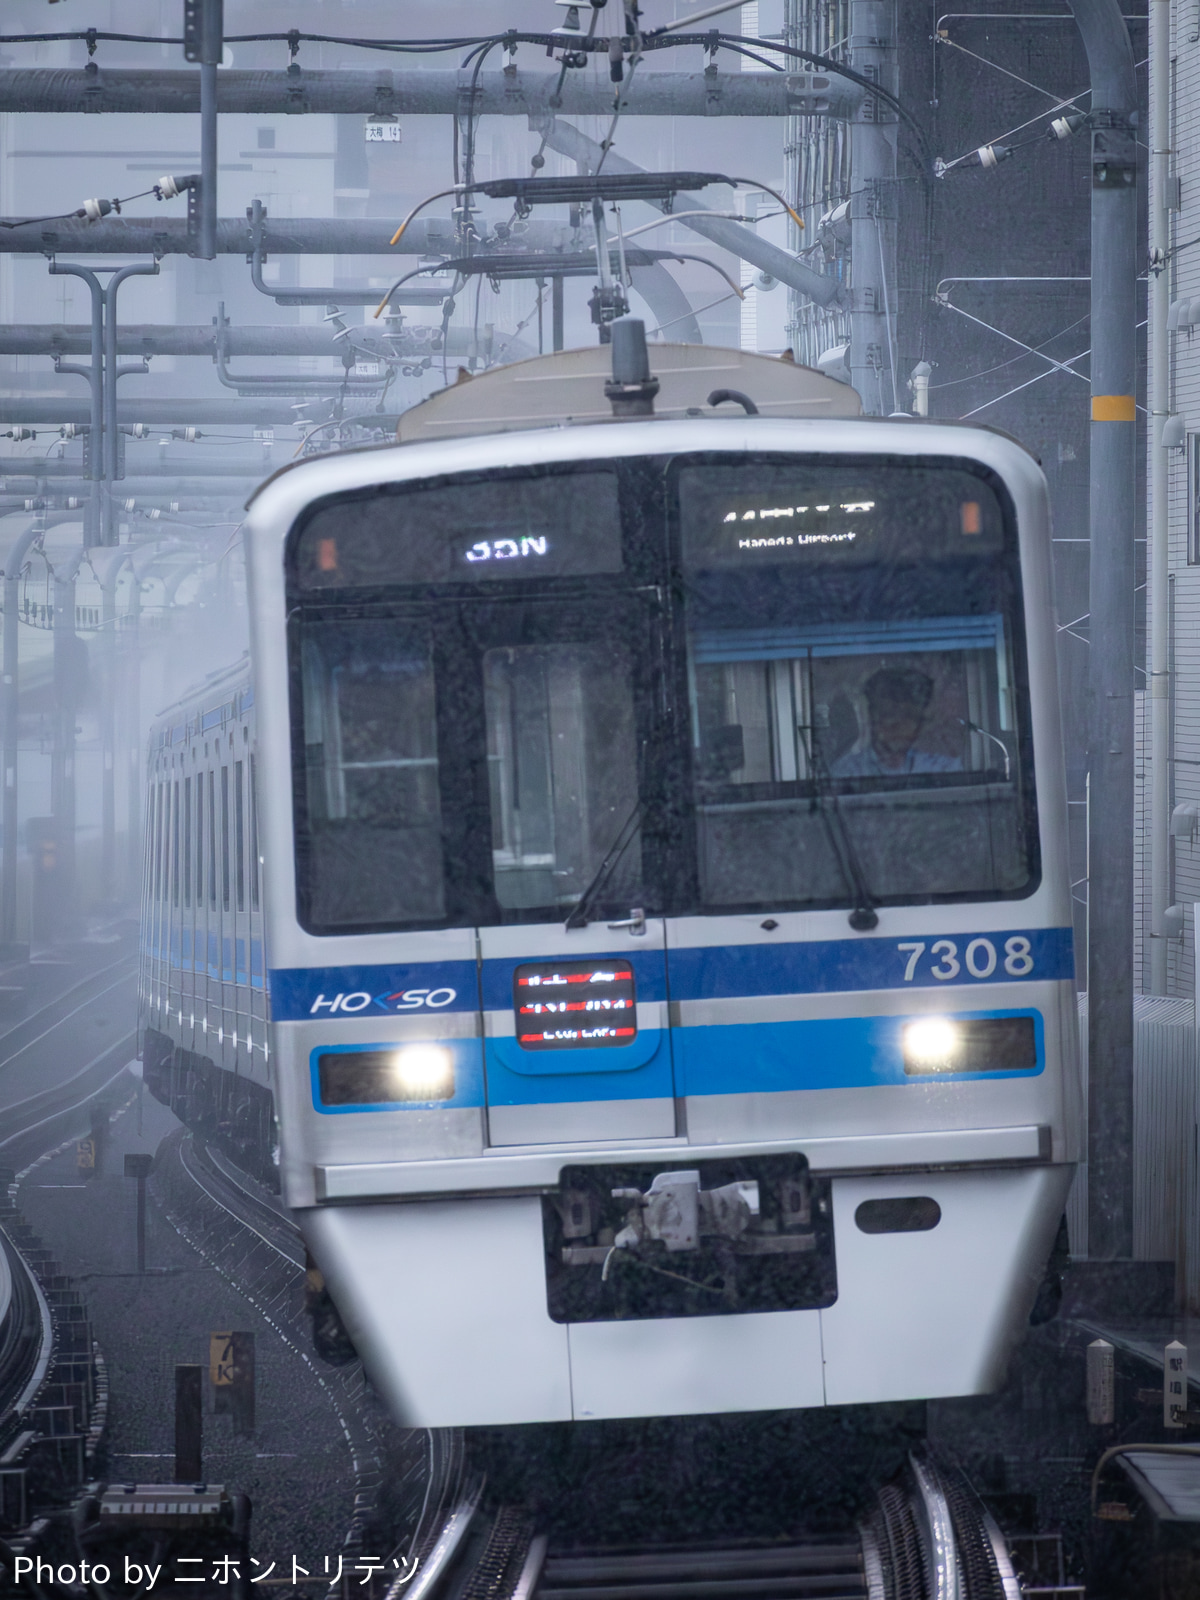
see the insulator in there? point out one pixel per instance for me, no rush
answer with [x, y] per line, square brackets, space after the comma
[93, 210]
[1064, 127]
[128, 505]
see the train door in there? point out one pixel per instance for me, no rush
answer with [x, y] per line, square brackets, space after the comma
[573, 970]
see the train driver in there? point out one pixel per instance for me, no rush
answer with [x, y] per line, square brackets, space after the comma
[898, 701]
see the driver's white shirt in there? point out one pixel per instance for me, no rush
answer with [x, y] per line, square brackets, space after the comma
[864, 763]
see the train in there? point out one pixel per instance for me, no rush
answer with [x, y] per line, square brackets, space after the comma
[623, 901]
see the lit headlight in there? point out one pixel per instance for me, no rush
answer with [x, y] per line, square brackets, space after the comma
[424, 1072]
[931, 1045]
[404, 1072]
[969, 1044]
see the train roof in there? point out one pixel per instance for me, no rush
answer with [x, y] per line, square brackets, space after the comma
[216, 699]
[568, 386]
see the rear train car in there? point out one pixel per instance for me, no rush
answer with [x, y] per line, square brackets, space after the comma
[204, 1005]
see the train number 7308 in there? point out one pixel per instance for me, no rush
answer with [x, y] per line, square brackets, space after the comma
[980, 959]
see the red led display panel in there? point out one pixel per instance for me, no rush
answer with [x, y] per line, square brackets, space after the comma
[574, 1005]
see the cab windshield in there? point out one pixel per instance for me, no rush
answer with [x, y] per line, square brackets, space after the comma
[685, 685]
[852, 644]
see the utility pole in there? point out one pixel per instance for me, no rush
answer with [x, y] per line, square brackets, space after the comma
[1111, 584]
[113, 465]
[67, 684]
[13, 563]
[94, 456]
[204, 42]
[872, 210]
[1157, 545]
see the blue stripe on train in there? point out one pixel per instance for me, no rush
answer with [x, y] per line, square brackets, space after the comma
[420, 989]
[186, 951]
[836, 966]
[740, 1058]
[826, 966]
[825, 1053]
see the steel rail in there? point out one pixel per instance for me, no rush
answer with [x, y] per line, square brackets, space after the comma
[48, 1005]
[63, 1111]
[11, 1056]
[188, 1150]
[31, 1303]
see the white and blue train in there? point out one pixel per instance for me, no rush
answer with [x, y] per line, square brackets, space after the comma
[205, 1045]
[664, 895]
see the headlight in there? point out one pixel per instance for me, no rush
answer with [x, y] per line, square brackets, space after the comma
[974, 1044]
[423, 1072]
[930, 1045]
[407, 1072]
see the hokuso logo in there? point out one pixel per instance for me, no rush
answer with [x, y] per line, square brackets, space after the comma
[399, 1000]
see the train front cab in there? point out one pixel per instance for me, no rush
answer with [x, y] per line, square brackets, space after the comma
[655, 809]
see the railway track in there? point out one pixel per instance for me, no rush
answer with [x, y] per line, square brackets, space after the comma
[405, 1480]
[47, 1356]
[26, 1331]
[927, 1538]
[24, 1032]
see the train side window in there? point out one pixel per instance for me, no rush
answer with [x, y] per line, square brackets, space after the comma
[239, 820]
[187, 841]
[173, 840]
[225, 838]
[155, 835]
[152, 856]
[212, 840]
[253, 834]
[199, 838]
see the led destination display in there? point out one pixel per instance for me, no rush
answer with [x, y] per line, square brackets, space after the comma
[576, 1005]
[841, 515]
[503, 528]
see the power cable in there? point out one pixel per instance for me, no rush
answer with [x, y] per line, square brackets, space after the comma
[92, 210]
[996, 67]
[658, 40]
[972, 377]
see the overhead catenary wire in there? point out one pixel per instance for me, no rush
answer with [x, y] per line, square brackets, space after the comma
[720, 301]
[465, 187]
[660, 39]
[996, 67]
[1000, 138]
[92, 210]
[973, 377]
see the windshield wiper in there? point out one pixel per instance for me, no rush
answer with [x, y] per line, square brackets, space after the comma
[864, 916]
[628, 833]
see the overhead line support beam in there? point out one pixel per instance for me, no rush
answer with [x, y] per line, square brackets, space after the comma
[435, 91]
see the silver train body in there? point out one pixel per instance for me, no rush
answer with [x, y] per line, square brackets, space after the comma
[665, 905]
